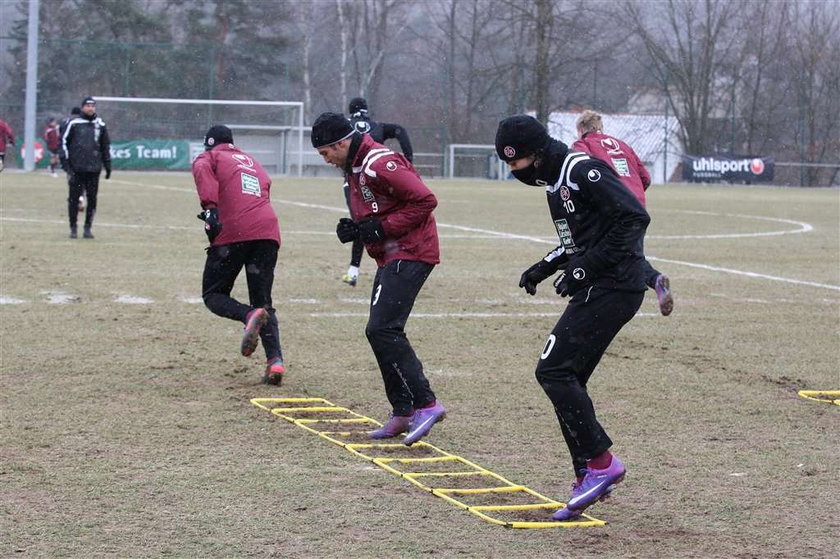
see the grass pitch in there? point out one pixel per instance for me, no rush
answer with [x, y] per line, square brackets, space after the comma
[126, 428]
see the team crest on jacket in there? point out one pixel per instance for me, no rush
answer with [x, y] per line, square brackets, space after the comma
[564, 193]
[391, 165]
[243, 160]
[593, 175]
[611, 145]
[509, 151]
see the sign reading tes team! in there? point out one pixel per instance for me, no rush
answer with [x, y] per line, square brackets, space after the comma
[715, 168]
[151, 154]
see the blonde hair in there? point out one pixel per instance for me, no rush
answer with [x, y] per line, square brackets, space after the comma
[589, 121]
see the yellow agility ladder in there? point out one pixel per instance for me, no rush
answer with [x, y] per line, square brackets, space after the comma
[454, 479]
[827, 396]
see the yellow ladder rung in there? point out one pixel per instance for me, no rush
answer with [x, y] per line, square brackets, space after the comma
[350, 420]
[530, 506]
[319, 409]
[444, 474]
[506, 489]
[379, 445]
[447, 458]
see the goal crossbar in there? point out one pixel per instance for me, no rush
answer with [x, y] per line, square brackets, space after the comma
[298, 104]
[500, 165]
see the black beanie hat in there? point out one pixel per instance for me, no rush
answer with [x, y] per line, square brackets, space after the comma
[357, 104]
[520, 136]
[88, 101]
[330, 128]
[76, 111]
[218, 134]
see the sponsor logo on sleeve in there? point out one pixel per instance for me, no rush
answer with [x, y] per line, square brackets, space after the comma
[578, 273]
[593, 175]
[391, 166]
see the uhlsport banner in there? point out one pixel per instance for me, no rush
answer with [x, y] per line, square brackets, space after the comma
[134, 154]
[715, 168]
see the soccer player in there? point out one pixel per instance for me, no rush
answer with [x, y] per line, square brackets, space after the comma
[234, 191]
[53, 141]
[631, 171]
[601, 226]
[6, 137]
[85, 151]
[391, 213]
[380, 132]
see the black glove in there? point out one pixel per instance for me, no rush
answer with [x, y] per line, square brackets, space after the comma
[107, 172]
[212, 225]
[371, 231]
[573, 280]
[546, 267]
[347, 231]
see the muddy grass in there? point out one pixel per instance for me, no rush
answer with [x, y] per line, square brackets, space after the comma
[127, 430]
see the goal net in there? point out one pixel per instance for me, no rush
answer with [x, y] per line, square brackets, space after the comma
[158, 133]
[475, 161]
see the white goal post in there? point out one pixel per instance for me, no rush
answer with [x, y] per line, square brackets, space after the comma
[232, 102]
[495, 167]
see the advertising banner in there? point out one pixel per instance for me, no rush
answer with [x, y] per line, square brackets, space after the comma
[135, 154]
[151, 154]
[716, 168]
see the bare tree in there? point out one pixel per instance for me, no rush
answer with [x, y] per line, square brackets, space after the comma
[816, 76]
[345, 32]
[686, 40]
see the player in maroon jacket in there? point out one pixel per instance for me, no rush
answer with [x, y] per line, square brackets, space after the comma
[242, 228]
[53, 141]
[631, 171]
[6, 137]
[391, 211]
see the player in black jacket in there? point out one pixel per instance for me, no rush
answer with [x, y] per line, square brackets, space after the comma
[601, 226]
[380, 132]
[85, 150]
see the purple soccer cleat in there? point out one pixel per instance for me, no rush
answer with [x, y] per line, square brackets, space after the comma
[567, 513]
[396, 424]
[422, 422]
[662, 286]
[596, 485]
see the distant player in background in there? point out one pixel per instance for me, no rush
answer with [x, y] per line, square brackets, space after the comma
[53, 141]
[380, 132]
[85, 151]
[391, 213]
[631, 171]
[6, 137]
[241, 225]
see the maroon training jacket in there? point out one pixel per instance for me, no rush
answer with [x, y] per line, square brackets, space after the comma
[229, 179]
[620, 157]
[384, 185]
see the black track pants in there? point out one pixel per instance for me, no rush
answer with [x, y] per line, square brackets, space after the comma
[80, 183]
[220, 272]
[592, 319]
[395, 288]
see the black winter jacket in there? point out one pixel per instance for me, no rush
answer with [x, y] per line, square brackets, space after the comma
[85, 145]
